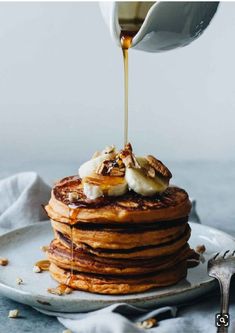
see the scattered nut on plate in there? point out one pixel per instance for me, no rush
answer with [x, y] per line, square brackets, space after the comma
[36, 269]
[19, 281]
[13, 313]
[60, 290]
[200, 249]
[3, 261]
[148, 323]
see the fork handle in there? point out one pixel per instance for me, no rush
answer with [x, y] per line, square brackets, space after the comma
[224, 288]
[222, 329]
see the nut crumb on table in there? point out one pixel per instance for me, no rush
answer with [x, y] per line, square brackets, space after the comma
[13, 313]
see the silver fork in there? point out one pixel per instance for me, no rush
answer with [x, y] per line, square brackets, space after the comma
[222, 267]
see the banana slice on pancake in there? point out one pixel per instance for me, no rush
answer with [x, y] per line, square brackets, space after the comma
[147, 180]
[96, 185]
[112, 173]
[89, 167]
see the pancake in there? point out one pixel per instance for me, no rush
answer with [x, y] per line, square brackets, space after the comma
[131, 207]
[146, 251]
[118, 285]
[118, 239]
[86, 262]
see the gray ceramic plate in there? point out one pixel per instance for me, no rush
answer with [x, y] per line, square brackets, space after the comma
[22, 248]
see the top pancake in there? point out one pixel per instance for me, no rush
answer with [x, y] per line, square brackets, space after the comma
[131, 207]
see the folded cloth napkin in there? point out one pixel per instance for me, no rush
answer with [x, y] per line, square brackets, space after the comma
[118, 318]
[21, 197]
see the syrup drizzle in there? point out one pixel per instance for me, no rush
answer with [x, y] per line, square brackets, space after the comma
[72, 216]
[126, 38]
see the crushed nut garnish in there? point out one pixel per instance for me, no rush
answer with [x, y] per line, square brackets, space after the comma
[128, 158]
[149, 323]
[117, 172]
[36, 269]
[151, 172]
[109, 149]
[200, 249]
[159, 166]
[60, 290]
[73, 196]
[19, 281]
[44, 248]
[13, 313]
[3, 261]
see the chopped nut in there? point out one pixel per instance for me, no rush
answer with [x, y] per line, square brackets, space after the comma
[13, 313]
[200, 249]
[109, 149]
[151, 172]
[3, 261]
[159, 166]
[128, 146]
[149, 323]
[44, 248]
[116, 172]
[73, 196]
[19, 281]
[128, 158]
[60, 290]
[102, 169]
[37, 269]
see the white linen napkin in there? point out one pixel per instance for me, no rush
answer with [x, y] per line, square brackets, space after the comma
[21, 197]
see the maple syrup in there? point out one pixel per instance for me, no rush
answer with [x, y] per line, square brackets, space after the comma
[126, 38]
[72, 215]
[43, 264]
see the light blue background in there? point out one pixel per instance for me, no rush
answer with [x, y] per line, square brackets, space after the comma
[61, 88]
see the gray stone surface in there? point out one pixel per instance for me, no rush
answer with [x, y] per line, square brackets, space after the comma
[210, 183]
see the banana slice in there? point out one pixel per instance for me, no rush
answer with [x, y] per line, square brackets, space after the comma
[89, 167]
[95, 186]
[139, 182]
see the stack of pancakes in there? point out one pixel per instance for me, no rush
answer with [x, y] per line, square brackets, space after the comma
[118, 245]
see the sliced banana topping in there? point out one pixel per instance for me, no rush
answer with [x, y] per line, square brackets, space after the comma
[112, 173]
[96, 186]
[144, 180]
[90, 167]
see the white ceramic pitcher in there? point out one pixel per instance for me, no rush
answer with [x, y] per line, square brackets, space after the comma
[161, 25]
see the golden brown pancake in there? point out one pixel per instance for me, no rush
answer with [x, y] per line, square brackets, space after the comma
[108, 284]
[131, 207]
[86, 262]
[118, 239]
[146, 251]
[118, 245]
